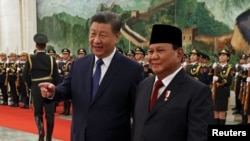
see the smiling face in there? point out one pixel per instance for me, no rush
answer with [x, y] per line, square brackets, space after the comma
[163, 59]
[102, 40]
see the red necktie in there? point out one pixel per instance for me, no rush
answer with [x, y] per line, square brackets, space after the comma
[157, 86]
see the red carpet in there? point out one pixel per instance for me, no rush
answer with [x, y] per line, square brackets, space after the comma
[23, 119]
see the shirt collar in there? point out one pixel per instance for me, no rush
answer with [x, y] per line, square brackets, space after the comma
[169, 78]
[107, 60]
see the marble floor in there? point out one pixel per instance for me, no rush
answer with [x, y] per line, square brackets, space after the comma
[7, 134]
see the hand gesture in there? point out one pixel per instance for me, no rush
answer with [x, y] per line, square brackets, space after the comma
[47, 89]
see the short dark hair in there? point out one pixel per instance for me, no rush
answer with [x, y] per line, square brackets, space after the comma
[108, 17]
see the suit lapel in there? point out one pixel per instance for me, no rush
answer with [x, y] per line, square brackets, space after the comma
[173, 87]
[89, 74]
[147, 92]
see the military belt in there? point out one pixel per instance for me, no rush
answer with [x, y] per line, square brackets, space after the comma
[42, 78]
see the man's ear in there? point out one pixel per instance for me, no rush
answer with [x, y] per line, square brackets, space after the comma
[180, 53]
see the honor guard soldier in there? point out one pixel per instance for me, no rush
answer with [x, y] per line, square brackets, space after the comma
[140, 58]
[206, 69]
[11, 78]
[139, 55]
[239, 81]
[52, 52]
[3, 87]
[194, 67]
[186, 61]
[81, 52]
[22, 88]
[41, 67]
[65, 66]
[246, 109]
[131, 54]
[243, 74]
[223, 76]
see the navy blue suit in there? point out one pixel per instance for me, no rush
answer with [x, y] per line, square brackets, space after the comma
[107, 116]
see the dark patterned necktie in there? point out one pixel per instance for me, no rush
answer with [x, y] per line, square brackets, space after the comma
[96, 77]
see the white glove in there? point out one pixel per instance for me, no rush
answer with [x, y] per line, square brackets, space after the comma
[248, 65]
[184, 64]
[59, 71]
[215, 78]
[236, 65]
[7, 69]
[214, 65]
[248, 79]
[244, 66]
[18, 69]
[236, 74]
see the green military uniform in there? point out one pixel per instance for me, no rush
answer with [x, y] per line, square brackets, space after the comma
[147, 70]
[41, 67]
[11, 78]
[224, 74]
[64, 67]
[3, 86]
[240, 81]
[22, 88]
[194, 68]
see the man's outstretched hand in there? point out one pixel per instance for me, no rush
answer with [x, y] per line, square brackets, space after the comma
[47, 89]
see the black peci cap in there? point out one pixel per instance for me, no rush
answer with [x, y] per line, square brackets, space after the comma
[162, 33]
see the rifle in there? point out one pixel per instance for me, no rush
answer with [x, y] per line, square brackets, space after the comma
[18, 75]
[7, 74]
[246, 100]
[245, 89]
[241, 90]
[214, 84]
[243, 93]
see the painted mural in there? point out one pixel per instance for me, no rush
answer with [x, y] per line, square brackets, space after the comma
[207, 25]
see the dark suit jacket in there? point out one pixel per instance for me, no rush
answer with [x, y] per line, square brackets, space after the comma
[107, 116]
[183, 117]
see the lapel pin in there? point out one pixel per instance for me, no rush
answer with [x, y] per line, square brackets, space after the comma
[167, 94]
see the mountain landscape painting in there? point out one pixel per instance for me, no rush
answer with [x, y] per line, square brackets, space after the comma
[207, 25]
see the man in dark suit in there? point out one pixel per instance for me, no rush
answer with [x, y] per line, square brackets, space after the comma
[181, 109]
[105, 115]
[41, 67]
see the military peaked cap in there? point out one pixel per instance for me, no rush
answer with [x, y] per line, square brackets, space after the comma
[224, 51]
[40, 38]
[81, 51]
[65, 50]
